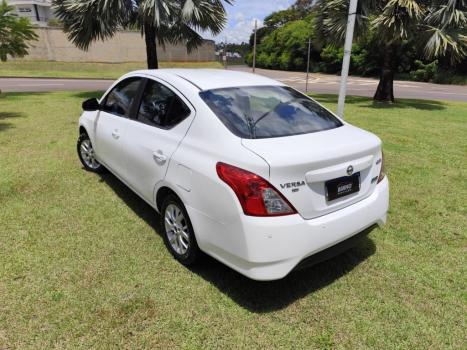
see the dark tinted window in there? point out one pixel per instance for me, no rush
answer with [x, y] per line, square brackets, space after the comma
[268, 111]
[161, 107]
[119, 100]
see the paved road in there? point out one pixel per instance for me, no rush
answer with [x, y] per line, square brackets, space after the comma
[319, 83]
[47, 84]
[324, 83]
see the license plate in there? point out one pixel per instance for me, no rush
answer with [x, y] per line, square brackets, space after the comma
[342, 186]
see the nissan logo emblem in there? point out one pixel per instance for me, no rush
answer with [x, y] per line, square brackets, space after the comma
[350, 170]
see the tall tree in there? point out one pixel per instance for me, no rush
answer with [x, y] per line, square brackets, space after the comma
[438, 27]
[15, 32]
[160, 21]
[278, 19]
[286, 47]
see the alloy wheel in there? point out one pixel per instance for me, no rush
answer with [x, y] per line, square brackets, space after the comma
[176, 228]
[87, 154]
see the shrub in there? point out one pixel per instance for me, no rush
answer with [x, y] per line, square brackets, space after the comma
[449, 77]
[331, 59]
[424, 72]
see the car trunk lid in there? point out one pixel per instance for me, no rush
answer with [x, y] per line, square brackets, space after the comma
[301, 165]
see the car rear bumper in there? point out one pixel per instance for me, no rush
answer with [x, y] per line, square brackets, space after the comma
[271, 247]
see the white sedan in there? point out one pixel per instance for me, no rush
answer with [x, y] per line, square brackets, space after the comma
[239, 166]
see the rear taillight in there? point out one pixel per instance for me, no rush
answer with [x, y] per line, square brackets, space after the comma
[257, 196]
[381, 172]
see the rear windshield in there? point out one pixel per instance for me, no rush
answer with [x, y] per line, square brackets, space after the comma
[268, 111]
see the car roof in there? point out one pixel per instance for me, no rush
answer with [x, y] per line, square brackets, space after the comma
[207, 79]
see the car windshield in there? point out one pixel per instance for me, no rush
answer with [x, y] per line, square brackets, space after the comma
[268, 111]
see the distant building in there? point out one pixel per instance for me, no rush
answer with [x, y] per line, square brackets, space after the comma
[228, 54]
[38, 11]
[234, 54]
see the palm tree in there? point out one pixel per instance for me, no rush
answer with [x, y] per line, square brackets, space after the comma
[437, 27]
[160, 21]
[14, 33]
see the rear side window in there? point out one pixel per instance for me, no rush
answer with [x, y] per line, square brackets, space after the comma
[268, 111]
[119, 100]
[161, 107]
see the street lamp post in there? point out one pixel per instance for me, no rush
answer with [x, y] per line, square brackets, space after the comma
[308, 64]
[225, 53]
[254, 47]
[346, 60]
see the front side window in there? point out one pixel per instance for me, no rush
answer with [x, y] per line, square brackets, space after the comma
[120, 99]
[161, 107]
[268, 111]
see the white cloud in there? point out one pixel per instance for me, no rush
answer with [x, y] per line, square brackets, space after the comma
[241, 31]
[242, 15]
[239, 16]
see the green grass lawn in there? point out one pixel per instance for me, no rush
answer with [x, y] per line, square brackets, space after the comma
[82, 265]
[47, 69]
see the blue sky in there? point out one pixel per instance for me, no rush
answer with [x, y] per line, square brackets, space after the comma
[241, 18]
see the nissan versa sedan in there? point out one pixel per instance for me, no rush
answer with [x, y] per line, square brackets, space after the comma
[239, 166]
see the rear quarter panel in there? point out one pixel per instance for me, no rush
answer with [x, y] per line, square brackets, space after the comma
[213, 206]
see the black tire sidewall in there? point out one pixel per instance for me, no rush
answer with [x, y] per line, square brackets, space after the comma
[82, 137]
[192, 253]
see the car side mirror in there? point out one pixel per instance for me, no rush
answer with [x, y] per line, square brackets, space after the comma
[91, 105]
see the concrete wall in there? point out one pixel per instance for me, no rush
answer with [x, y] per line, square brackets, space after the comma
[53, 45]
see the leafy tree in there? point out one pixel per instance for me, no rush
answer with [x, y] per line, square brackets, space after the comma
[276, 20]
[282, 41]
[364, 60]
[160, 21]
[286, 47]
[437, 28]
[260, 34]
[280, 18]
[14, 33]
[303, 5]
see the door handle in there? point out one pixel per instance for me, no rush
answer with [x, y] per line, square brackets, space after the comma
[159, 157]
[115, 134]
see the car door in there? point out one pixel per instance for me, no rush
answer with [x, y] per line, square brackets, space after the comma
[111, 124]
[161, 121]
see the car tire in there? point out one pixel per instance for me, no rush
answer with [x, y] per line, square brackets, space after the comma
[177, 230]
[86, 155]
